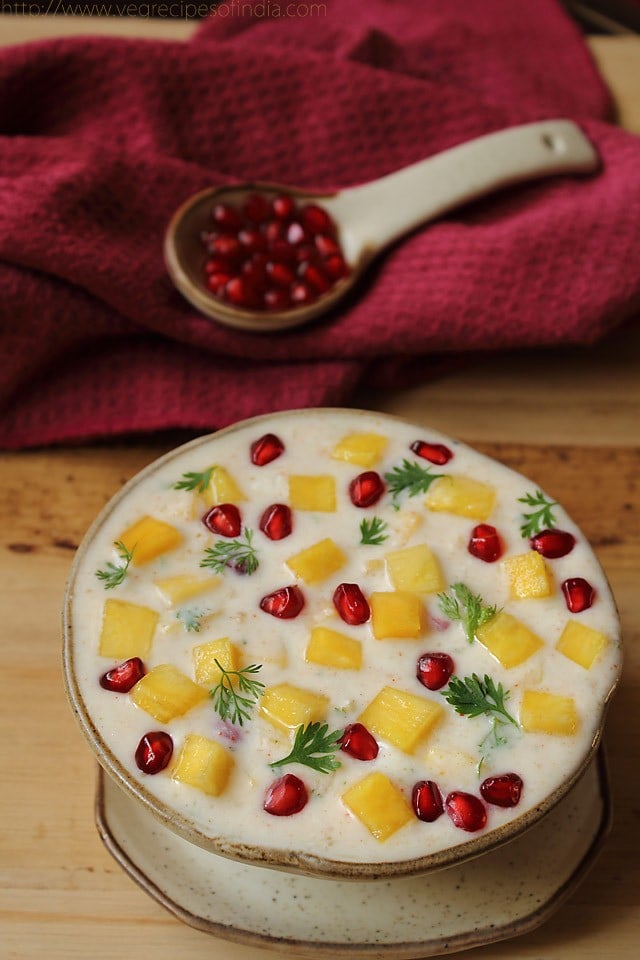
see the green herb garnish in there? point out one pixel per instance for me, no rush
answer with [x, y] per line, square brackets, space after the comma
[114, 573]
[473, 697]
[191, 619]
[236, 705]
[466, 607]
[314, 747]
[410, 477]
[372, 531]
[540, 519]
[195, 481]
[232, 553]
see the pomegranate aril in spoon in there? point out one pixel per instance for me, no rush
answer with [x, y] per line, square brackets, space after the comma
[286, 796]
[316, 220]
[485, 543]
[433, 452]
[276, 522]
[226, 217]
[224, 519]
[267, 448]
[502, 791]
[466, 811]
[277, 299]
[242, 293]
[122, 678]
[358, 742]
[366, 489]
[283, 206]
[256, 208]
[553, 544]
[154, 751]
[426, 801]
[351, 604]
[285, 603]
[578, 594]
[434, 670]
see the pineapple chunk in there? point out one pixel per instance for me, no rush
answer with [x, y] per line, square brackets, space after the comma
[148, 538]
[222, 488]
[318, 562]
[363, 449]
[508, 639]
[528, 576]
[203, 764]
[581, 644]
[206, 654]
[313, 493]
[165, 693]
[414, 569]
[333, 649]
[184, 586]
[127, 630]
[379, 804]
[548, 713]
[461, 495]
[401, 718]
[288, 707]
[397, 614]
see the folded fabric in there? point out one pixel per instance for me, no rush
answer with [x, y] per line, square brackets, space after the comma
[101, 139]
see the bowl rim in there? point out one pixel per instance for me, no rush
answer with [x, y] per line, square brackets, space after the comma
[288, 860]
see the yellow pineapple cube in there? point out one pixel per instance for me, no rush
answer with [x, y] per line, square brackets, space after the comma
[542, 712]
[288, 707]
[363, 449]
[414, 569]
[313, 492]
[400, 717]
[461, 495]
[317, 562]
[127, 630]
[396, 613]
[333, 649]
[203, 764]
[184, 587]
[508, 639]
[148, 538]
[222, 488]
[581, 644]
[205, 655]
[528, 576]
[165, 693]
[379, 804]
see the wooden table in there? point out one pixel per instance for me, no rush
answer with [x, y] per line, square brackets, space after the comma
[568, 418]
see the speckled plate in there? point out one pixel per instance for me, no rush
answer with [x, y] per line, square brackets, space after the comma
[506, 892]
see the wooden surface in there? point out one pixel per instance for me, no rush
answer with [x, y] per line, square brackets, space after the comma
[569, 419]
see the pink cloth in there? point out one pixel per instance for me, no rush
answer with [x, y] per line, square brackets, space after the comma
[101, 139]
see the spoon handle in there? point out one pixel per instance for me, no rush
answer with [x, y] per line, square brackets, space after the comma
[378, 213]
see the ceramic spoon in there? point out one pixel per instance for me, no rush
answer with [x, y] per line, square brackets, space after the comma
[374, 215]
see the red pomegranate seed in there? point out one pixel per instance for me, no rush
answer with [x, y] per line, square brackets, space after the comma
[283, 252]
[366, 489]
[305, 253]
[285, 603]
[153, 753]
[351, 604]
[277, 299]
[226, 217]
[275, 231]
[123, 677]
[252, 240]
[269, 447]
[315, 219]
[434, 670]
[358, 742]
[283, 206]
[553, 543]
[426, 800]
[226, 246]
[433, 452]
[216, 265]
[296, 233]
[255, 270]
[327, 246]
[302, 293]
[256, 208]
[286, 796]
[216, 282]
[280, 274]
[502, 791]
[336, 267]
[276, 522]
[466, 811]
[240, 292]
[578, 594]
[485, 543]
[224, 519]
[314, 277]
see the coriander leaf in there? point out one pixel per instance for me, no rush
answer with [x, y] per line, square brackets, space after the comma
[195, 481]
[229, 702]
[473, 697]
[466, 607]
[539, 519]
[314, 747]
[372, 531]
[410, 477]
[232, 553]
[114, 574]
[191, 619]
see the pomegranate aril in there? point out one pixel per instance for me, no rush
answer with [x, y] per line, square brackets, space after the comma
[285, 603]
[315, 219]
[274, 231]
[351, 604]
[314, 277]
[124, 676]
[466, 811]
[223, 519]
[283, 206]
[242, 293]
[553, 543]
[434, 670]
[252, 240]
[366, 489]
[216, 282]
[336, 267]
[433, 452]
[296, 233]
[226, 217]
[255, 270]
[485, 543]
[269, 447]
[280, 274]
[216, 265]
[358, 742]
[305, 253]
[283, 252]
[256, 208]
[277, 299]
[286, 796]
[227, 247]
[502, 791]
[327, 246]
[426, 801]
[302, 293]
[578, 594]
[154, 751]
[276, 522]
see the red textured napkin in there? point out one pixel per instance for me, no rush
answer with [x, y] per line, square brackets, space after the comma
[101, 139]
